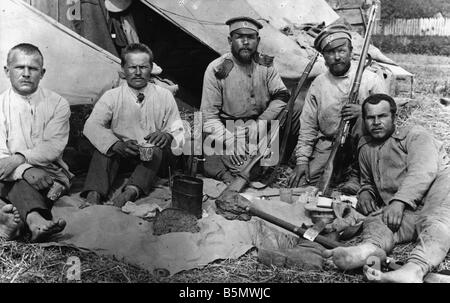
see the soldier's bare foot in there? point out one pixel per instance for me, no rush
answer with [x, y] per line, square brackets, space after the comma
[92, 198]
[129, 194]
[42, 229]
[352, 257]
[10, 222]
[408, 273]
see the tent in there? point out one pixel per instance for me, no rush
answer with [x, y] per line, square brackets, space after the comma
[204, 20]
[188, 35]
[77, 68]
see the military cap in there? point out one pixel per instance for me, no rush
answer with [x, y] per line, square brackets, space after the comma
[331, 37]
[243, 22]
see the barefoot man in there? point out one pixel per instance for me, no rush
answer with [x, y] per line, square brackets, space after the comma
[405, 192]
[34, 129]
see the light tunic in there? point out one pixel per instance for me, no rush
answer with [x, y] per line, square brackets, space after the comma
[118, 116]
[37, 126]
[249, 91]
[324, 101]
[403, 167]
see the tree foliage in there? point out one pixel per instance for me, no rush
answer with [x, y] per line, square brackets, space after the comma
[409, 9]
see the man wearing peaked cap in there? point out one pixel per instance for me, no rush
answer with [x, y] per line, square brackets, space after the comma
[332, 37]
[324, 107]
[242, 23]
[240, 85]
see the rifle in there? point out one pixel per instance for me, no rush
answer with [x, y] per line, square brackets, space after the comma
[285, 116]
[340, 138]
[289, 109]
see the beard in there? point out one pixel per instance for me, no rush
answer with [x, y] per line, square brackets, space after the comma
[242, 55]
[339, 69]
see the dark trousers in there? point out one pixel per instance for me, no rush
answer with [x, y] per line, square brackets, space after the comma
[103, 171]
[26, 198]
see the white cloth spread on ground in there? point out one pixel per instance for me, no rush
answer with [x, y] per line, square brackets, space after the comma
[107, 230]
[37, 126]
[118, 116]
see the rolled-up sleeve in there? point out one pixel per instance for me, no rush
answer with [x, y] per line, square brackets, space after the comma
[422, 164]
[97, 127]
[279, 95]
[55, 138]
[309, 129]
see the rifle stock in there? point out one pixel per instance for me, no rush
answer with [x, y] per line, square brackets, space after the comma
[340, 138]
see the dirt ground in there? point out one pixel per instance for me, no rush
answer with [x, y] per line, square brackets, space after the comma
[22, 262]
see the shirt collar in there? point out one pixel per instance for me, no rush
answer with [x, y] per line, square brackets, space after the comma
[28, 98]
[399, 133]
[135, 92]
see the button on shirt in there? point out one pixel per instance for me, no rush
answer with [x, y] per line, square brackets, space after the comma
[403, 167]
[118, 116]
[321, 114]
[247, 92]
[37, 126]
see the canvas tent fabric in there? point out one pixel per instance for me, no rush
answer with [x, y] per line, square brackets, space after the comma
[77, 69]
[205, 21]
[86, 18]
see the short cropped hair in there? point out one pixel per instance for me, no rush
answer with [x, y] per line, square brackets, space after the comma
[27, 48]
[136, 48]
[377, 98]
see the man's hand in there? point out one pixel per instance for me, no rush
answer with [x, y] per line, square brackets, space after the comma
[393, 215]
[38, 178]
[9, 164]
[350, 111]
[160, 139]
[238, 160]
[126, 149]
[366, 203]
[300, 172]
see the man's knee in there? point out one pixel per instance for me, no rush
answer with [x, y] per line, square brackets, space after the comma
[158, 152]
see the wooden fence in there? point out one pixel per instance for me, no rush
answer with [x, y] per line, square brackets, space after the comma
[414, 27]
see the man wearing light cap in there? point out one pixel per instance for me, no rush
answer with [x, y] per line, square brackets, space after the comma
[240, 85]
[325, 105]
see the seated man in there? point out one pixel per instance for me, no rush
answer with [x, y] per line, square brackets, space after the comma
[34, 129]
[244, 86]
[122, 119]
[325, 106]
[405, 191]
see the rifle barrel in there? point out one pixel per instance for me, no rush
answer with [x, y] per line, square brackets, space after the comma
[344, 126]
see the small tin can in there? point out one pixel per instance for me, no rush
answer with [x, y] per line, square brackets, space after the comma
[146, 152]
[286, 195]
[56, 191]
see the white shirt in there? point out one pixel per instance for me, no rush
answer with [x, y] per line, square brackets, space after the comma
[117, 116]
[37, 126]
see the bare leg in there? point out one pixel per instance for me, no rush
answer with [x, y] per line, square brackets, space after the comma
[408, 273]
[354, 256]
[10, 223]
[41, 229]
[130, 193]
